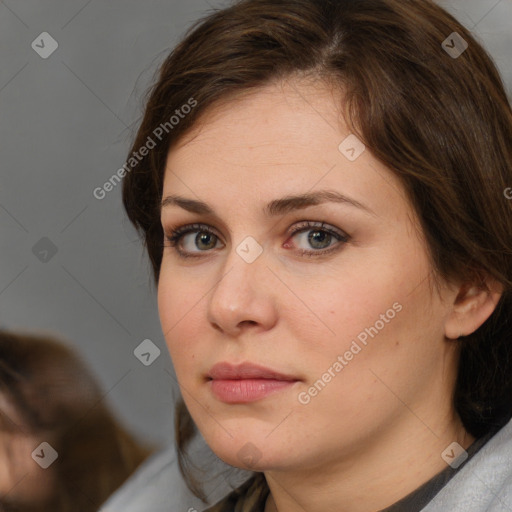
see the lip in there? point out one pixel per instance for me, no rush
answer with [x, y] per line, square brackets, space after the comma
[246, 382]
[228, 371]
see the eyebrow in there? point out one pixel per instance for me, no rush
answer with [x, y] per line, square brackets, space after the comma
[274, 208]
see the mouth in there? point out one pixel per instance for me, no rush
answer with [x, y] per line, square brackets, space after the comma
[246, 382]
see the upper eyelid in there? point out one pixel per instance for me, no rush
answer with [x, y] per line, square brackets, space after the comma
[307, 224]
[185, 229]
[182, 230]
[321, 225]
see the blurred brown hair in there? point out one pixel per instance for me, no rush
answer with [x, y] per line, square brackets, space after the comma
[442, 125]
[58, 401]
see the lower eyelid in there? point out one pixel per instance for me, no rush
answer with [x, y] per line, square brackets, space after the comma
[339, 243]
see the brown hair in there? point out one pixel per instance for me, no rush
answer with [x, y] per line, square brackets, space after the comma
[443, 125]
[58, 401]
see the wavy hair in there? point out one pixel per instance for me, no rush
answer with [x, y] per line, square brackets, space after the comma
[443, 125]
[48, 394]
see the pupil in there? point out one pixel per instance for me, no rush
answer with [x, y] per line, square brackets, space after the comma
[317, 239]
[204, 238]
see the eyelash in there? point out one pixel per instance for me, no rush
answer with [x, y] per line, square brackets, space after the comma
[177, 234]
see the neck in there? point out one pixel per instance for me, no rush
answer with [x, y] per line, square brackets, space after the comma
[373, 477]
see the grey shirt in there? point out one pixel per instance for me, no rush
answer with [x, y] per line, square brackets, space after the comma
[418, 499]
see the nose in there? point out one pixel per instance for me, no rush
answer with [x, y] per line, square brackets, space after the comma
[243, 298]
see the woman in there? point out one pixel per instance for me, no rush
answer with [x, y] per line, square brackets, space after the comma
[319, 185]
[60, 447]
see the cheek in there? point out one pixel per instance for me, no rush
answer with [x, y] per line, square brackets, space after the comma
[341, 302]
[371, 307]
[179, 304]
[388, 334]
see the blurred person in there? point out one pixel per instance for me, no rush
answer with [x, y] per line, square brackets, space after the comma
[323, 207]
[47, 395]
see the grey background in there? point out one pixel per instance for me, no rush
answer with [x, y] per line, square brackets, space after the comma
[66, 123]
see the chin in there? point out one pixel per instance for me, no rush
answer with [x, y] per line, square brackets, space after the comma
[247, 458]
[249, 453]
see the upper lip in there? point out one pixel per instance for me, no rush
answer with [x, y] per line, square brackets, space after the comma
[228, 371]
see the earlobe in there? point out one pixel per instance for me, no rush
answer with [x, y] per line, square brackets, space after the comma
[473, 305]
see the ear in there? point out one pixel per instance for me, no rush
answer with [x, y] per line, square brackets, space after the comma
[473, 305]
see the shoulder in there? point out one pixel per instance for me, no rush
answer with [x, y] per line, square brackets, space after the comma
[157, 486]
[484, 483]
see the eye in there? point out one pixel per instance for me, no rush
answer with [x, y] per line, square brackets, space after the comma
[190, 240]
[315, 239]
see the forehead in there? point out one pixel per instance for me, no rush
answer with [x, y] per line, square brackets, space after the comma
[283, 138]
[261, 121]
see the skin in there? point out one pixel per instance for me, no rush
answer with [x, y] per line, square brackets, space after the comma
[376, 431]
[21, 479]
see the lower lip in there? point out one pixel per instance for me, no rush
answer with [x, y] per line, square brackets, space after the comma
[247, 390]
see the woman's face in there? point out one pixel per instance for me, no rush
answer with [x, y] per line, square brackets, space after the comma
[331, 291]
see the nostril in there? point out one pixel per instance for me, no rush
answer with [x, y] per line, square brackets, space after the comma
[248, 322]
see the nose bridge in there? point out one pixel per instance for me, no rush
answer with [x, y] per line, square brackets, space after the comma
[239, 278]
[242, 293]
